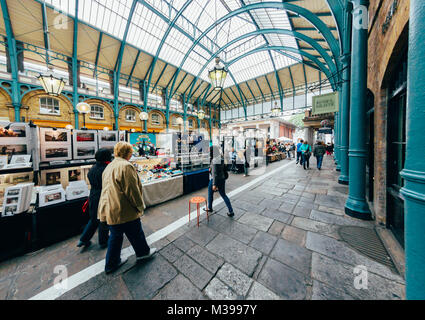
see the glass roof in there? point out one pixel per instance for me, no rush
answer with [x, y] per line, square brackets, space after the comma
[152, 18]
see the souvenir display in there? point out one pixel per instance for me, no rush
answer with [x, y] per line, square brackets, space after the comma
[77, 189]
[55, 144]
[84, 144]
[49, 195]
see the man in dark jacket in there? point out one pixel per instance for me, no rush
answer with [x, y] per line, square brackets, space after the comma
[218, 176]
[103, 158]
[319, 152]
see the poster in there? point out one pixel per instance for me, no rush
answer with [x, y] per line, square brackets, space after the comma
[107, 139]
[137, 139]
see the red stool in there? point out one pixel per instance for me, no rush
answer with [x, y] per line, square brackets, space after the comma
[198, 201]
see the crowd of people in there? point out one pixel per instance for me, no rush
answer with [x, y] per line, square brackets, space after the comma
[304, 152]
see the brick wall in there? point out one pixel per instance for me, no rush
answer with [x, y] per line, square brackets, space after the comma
[384, 48]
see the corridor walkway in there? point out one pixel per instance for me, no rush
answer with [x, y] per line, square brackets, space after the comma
[283, 243]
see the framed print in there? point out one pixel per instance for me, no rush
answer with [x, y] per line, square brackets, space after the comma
[74, 175]
[55, 144]
[84, 144]
[3, 161]
[13, 149]
[107, 139]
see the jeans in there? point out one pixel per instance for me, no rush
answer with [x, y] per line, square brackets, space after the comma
[134, 232]
[245, 168]
[319, 161]
[90, 230]
[222, 191]
[289, 154]
[299, 157]
[305, 161]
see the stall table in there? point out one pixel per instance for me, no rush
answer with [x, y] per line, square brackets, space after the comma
[195, 180]
[15, 233]
[156, 192]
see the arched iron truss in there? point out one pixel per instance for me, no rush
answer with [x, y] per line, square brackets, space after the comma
[331, 67]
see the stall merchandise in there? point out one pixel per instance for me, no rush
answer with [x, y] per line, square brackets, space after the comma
[17, 199]
[77, 189]
[107, 139]
[50, 195]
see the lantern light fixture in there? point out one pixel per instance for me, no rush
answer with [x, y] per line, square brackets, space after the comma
[217, 75]
[69, 127]
[201, 114]
[275, 110]
[51, 84]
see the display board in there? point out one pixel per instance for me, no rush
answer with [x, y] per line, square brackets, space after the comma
[63, 176]
[15, 145]
[84, 144]
[55, 144]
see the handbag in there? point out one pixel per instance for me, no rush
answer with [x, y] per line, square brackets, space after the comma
[226, 174]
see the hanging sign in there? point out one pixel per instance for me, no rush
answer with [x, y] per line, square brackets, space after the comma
[325, 103]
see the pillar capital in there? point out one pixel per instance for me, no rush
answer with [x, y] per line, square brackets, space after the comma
[357, 3]
[345, 59]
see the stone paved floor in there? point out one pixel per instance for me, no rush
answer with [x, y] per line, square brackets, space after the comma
[283, 243]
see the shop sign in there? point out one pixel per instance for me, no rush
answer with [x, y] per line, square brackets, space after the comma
[325, 130]
[325, 103]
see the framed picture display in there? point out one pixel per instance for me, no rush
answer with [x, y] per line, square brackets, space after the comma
[3, 161]
[84, 144]
[122, 136]
[20, 159]
[107, 139]
[55, 144]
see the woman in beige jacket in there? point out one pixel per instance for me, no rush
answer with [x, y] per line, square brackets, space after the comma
[121, 206]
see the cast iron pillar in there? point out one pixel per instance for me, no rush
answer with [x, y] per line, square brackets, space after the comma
[345, 106]
[356, 205]
[336, 134]
[414, 169]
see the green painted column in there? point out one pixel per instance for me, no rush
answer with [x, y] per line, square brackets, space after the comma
[345, 99]
[414, 169]
[356, 205]
[336, 129]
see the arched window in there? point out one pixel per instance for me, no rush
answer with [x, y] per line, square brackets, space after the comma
[49, 106]
[96, 111]
[155, 119]
[190, 123]
[130, 115]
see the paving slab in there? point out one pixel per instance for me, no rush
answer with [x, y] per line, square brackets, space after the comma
[283, 281]
[339, 250]
[314, 226]
[339, 220]
[270, 204]
[180, 288]
[293, 255]
[235, 279]
[322, 291]
[276, 228]
[184, 243]
[287, 207]
[331, 201]
[277, 215]
[263, 242]
[205, 258]
[114, 289]
[256, 221]
[201, 235]
[217, 290]
[193, 271]
[342, 276]
[243, 257]
[247, 206]
[171, 252]
[260, 292]
[295, 235]
[147, 278]
[301, 212]
[238, 231]
[338, 212]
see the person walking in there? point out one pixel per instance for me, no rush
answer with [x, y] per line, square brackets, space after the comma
[319, 152]
[218, 176]
[233, 157]
[247, 156]
[121, 206]
[103, 158]
[306, 153]
[299, 152]
[288, 150]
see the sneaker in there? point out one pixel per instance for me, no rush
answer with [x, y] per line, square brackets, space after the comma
[208, 210]
[108, 271]
[85, 244]
[230, 214]
[150, 254]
